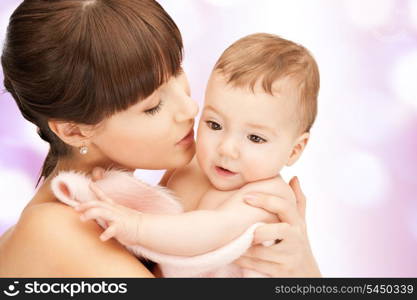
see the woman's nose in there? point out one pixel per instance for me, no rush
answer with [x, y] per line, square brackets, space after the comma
[228, 148]
[187, 110]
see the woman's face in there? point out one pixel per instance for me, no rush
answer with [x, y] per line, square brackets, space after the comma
[156, 133]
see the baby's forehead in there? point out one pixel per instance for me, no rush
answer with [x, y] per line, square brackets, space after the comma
[253, 107]
[223, 91]
[282, 87]
[282, 93]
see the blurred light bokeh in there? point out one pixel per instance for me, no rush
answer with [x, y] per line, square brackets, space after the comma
[359, 170]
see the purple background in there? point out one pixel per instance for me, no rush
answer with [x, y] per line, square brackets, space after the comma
[359, 170]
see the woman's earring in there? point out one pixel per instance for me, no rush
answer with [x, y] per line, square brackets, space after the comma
[83, 150]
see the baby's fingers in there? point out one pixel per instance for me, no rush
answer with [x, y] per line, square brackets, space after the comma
[87, 205]
[97, 173]
[97, 213]
[100, 194]
[109, 233]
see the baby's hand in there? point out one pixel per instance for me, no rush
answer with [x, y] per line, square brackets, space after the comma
[97, 173]
[123, 223]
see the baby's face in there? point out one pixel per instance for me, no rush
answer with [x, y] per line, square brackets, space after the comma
[244, 136]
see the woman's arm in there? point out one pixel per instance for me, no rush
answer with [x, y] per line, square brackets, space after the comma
[49, 241]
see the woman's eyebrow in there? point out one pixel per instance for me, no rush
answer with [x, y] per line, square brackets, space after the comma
[148, 102]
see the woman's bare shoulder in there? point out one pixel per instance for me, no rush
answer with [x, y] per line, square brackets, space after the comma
[50, 240]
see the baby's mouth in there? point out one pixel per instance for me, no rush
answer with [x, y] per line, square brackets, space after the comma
[224, 172]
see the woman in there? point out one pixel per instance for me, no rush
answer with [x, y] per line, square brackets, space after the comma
[102, 81]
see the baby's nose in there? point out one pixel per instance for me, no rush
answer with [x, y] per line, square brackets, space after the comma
[229, 148]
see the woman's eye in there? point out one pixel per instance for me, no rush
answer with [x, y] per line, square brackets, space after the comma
[256, 139]
[213, 125]
[154, 110]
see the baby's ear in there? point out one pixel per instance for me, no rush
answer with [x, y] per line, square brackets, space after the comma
[298, 148]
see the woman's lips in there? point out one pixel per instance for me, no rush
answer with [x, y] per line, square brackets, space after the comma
[188, 139]
[224, 172]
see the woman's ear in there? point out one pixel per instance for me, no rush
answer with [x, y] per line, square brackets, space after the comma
[73, 134]
[298, 148]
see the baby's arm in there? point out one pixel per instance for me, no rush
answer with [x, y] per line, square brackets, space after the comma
[197, 232]
[188, 234]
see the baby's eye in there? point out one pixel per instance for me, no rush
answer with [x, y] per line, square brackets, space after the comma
[256, 139]
[213, 125]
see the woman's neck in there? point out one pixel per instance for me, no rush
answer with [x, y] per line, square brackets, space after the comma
[73, 165]
[44, 193]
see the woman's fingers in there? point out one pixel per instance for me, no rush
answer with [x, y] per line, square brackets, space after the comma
[109, 233]
[258, 265]
[264, 253]
[271, 232]
[299, 196]
[286, 210]
[97, 173]
[99, 193]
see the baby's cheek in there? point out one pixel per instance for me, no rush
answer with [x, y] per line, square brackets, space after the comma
[202, 152]
[261, 166]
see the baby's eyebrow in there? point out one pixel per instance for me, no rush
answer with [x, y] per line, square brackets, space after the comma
[251, 125]
[213, 109]
[262, 127]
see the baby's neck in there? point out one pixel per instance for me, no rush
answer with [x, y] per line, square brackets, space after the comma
[213, 197]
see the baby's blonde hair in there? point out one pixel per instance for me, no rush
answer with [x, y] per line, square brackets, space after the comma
[267, 58]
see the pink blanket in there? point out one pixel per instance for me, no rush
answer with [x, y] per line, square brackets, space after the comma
[72, 188]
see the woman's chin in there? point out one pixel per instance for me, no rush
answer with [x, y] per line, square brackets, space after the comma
[174, 160]
[185, 157]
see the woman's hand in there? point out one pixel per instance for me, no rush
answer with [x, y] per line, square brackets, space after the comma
[291, 255]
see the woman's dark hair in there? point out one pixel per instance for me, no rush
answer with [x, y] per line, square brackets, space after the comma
[84, 60]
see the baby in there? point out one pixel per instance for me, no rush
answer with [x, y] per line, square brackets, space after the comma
[260, 103]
